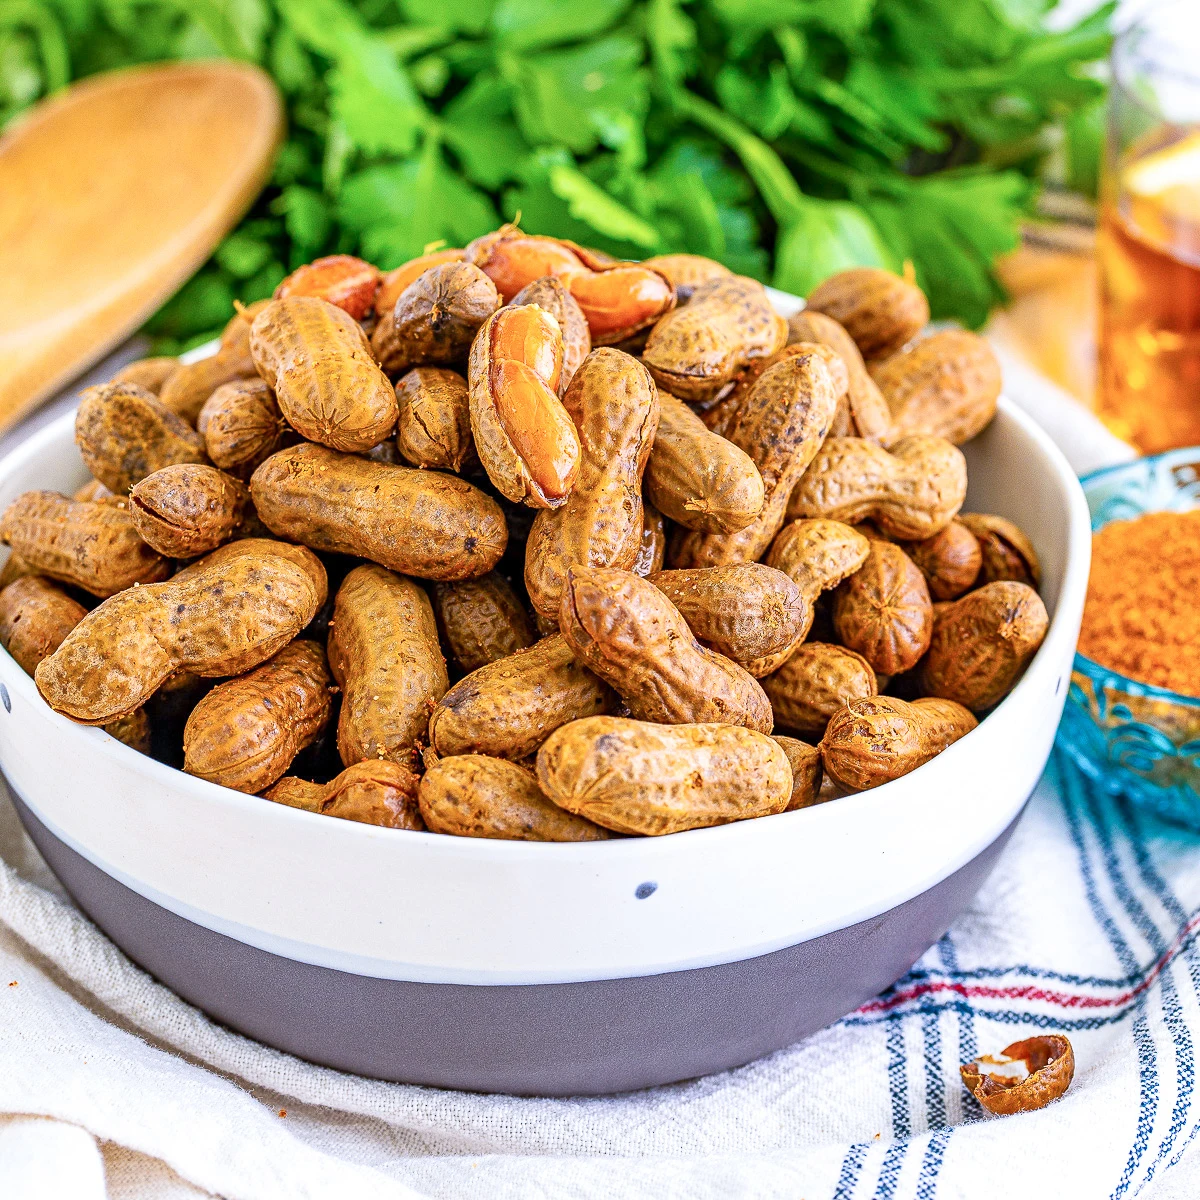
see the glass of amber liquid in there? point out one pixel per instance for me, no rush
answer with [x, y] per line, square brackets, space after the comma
[1148, 242]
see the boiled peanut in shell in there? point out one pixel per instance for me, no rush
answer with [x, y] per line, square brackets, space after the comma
[434, 426]
[317, 360]
[551, 294]
[814, 683]
[241, 425]
[626, 631]
[224, 619]
[982, 643]
[423, 523]
[1006, 553]
[246, 731]
[384, 653]
[950, 560]
[639, 777]
[482, 620]
[879, 310]
[880, 738]
[373, 792]
[805, 761]
[341, 279]
[35, 617]
[471, 795]
[93, 545]
[186, 510]
[509, 707]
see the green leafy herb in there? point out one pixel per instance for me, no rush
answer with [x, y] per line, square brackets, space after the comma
[787, 138]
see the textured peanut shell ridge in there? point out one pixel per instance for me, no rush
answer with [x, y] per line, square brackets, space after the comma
[687, 272]
[781, 426]
[626, 631]
[867, 410]
[509, 707]
[643, 778]
[384, 652]
[912, 492]
[695, 351]
[525, 439]
[35, 617]
[880, 310]
[950, 560]
[815, 682]
[880, 738]
[223, 619]
[241, 425]
[947, 385]
[982, 643]
[1006, 553]
[423, 523]
[883, 611]
[148, 373]
[435, 318]
[124, 433]
[328, 386]
[472, 795]
[373, 792]
[188, 509]
[482, 620]
[245, 733]
[1049, 1061]
[299, 556]
[553, 295]
[434, 426]
[614, 404]
[745, 611]
[805, 761]
[697, 478]
[91, 545]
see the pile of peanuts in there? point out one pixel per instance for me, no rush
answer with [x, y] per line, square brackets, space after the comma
[395, 553]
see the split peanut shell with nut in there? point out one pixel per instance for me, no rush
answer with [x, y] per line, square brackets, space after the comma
[384, 653]
[696, 351]
[1006, 553]
[523, 435]
[344, 281]
[374, 792]
[626, 631]
[509, 707]
[124, 433]
[245, 733]
[614, 404]
[435, 318]
[317, 360]
[472, 795]
[423, 523]
[92, 545]
[553, 295]
[880, 738]
[982, 643]
[644, 778]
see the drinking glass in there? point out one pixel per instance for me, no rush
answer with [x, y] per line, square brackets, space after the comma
[1148, 241]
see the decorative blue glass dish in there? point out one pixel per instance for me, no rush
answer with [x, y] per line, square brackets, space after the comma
[1132, 738]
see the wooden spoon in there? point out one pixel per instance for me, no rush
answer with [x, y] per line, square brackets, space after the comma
[112, 193]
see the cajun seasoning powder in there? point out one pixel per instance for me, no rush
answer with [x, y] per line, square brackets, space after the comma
[1142, 616]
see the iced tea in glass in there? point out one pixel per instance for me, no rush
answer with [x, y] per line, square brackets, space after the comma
[1149, 233]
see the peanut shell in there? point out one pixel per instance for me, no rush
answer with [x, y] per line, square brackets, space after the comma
[186, 510]
[482, 620]
[805, 761]
[374, 792]
[552, 295]
[1005, 552]
[35, 617]
[879, 310]
[949, 560]
[241, 425]
[815, 682]
[434, 426]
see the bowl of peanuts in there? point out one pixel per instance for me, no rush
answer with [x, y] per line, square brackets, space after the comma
[526, 671]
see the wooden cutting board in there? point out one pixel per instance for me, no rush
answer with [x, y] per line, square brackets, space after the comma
[112, 193]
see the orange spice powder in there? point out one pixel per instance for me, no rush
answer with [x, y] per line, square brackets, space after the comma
[1142, 616]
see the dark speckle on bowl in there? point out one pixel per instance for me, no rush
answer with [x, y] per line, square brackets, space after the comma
[643, 890]
[4, 696]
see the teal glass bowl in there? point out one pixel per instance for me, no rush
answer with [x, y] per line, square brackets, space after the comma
[1131, 738]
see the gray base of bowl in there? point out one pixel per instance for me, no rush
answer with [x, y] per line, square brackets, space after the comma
[553, 1039]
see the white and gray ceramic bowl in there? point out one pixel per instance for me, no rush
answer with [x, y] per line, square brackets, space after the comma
[548, 969]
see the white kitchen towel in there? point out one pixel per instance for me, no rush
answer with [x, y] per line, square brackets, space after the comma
[1087, 926]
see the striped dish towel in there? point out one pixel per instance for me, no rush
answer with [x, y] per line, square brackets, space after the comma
[1087, 927]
